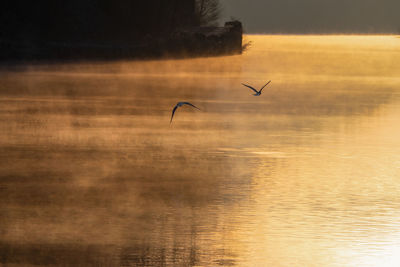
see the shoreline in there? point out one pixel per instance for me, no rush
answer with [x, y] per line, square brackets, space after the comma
[190, 42]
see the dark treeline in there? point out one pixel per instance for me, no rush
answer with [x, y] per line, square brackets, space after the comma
[104, 21]
[110, 29]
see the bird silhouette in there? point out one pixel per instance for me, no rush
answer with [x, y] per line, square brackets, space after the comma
[179, 105]
[257, 92]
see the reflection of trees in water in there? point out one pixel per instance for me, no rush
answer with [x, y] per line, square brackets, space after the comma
[172, 240]
[177, 248]
[129, 214]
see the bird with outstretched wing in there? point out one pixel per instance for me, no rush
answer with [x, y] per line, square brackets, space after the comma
[257, 93]
[179, 105]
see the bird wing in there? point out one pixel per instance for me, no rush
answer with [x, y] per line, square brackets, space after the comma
[173, 112]
[264, 86]
[250, 87]
[187, 103]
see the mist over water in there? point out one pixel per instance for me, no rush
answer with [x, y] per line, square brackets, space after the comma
[93, 173]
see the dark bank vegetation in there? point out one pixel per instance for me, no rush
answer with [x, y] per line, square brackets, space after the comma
[207, 12]
[100, 28]
[92, 20]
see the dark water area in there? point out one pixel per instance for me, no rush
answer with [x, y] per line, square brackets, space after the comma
[93, 173]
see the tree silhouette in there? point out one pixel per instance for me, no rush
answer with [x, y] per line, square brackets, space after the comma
[207, 12]
[92, 20]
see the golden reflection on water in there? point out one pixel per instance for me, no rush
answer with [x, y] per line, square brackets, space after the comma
[92, 173]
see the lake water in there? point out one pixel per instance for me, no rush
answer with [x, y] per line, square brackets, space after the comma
[307, 174]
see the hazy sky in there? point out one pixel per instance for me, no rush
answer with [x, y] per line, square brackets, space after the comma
[315, 16]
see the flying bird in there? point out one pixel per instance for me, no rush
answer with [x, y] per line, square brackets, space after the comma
[257, 92]
[179, 105]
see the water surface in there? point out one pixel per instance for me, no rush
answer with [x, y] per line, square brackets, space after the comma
[307, 174]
